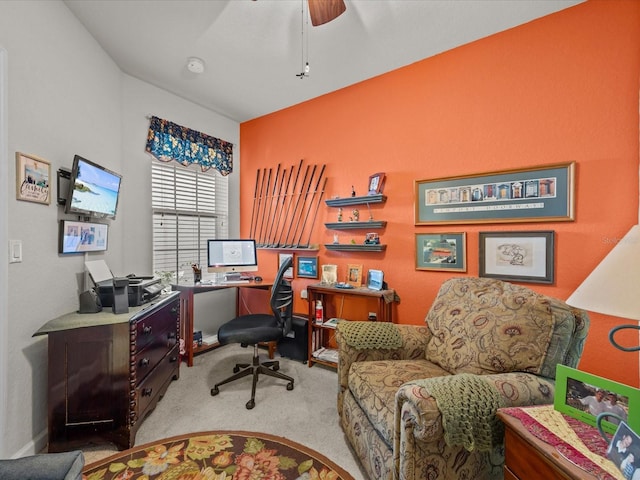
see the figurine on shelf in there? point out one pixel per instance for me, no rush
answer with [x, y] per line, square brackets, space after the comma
[353, 191]
[356, 215]
[340, 214]
[335, 238]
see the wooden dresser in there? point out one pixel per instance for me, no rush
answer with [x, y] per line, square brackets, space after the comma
[529, 458]
[107, 372]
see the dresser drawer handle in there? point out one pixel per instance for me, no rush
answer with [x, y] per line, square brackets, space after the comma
[146, 329]
[171, 335]
[146, 392]
[144, 362]
[173, 359]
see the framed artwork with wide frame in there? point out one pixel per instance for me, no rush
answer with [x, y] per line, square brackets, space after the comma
[376, 183]
[441, 251]
[80, 237]
[538, 194]
[518, 256]
[33, 179]
[307, 267]
[282, 257]
[354, 275]
[576, 396]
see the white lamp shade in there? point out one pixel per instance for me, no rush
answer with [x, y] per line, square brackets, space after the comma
[613, 288]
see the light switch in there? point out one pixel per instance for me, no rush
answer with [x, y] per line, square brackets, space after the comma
[15, 251]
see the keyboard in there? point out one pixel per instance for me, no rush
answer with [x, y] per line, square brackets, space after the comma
[234, 282]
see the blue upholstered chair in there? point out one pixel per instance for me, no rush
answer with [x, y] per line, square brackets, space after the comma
[47, 466]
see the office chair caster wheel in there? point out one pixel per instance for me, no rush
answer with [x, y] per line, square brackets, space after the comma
[215, 391]
[236, 369]
[290, 386]
[276, 367]
[250, 404]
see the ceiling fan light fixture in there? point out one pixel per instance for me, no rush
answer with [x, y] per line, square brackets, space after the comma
[195, 65]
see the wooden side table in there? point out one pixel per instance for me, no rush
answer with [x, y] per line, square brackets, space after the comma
[529, 458]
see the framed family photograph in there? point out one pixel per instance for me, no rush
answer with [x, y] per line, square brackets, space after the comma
[33, 179]
[441, 251]
[584, 396]
[537, 194]
[518, 256]
[79, 237]
[376, 183]
[282, 257]
[307, 267]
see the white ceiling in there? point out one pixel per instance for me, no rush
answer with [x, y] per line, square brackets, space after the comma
[253, 49]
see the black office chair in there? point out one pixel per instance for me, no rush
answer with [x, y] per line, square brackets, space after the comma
[261, 327]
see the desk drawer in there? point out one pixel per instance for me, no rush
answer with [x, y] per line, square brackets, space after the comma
[147, 359]
[148, 329]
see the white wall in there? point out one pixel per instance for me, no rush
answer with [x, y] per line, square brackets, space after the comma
[66, 96]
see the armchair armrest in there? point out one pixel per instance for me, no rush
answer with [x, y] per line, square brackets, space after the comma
[408, 342]
[418, 417]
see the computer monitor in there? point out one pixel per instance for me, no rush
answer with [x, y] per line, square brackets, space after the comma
[231, 256]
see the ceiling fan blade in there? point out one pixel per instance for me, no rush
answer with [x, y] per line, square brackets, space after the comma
[323, 11]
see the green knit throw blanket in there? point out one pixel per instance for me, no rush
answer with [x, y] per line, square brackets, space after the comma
[468, 405]
[370, 335]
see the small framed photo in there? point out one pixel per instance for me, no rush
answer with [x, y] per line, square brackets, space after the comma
[33, 179]
[518, 256]
[282, 257]
[307, 267]
[376, 183]
[624, 450]
[375, 279]
[441, 251]
[584, 396]
[329, 274]
[354, 275]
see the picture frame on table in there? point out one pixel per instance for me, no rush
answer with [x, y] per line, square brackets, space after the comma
[376, 183]
[307, 267]
[354, 275]
[33, 179]
[282, 257]
[575, 393]
[329, 274]
[518, 256]
[375, 279]
[538, 194]
[445, 251]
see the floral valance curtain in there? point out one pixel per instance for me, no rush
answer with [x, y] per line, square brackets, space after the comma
[168, 141]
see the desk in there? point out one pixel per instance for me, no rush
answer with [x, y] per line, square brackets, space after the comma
[187, 291]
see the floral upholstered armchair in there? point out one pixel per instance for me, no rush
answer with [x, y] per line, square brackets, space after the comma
[419, 402]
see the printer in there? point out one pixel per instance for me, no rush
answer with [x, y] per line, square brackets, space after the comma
[141, 289]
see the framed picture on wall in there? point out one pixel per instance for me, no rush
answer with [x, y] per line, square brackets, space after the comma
[33, 179]
[518, 256]
[441, 251]
[282, 257]
[307, 267]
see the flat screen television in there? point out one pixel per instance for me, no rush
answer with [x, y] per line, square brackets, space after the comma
[80, 237]
[93, 190]
[231, 256]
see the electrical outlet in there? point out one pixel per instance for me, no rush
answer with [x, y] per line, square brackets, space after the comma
[303, 294]
[373, 316]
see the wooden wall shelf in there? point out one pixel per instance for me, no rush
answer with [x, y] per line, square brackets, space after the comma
[350, 247]
[343, 202]
[372, 224]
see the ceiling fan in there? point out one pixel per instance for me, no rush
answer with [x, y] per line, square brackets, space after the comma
[323, 11]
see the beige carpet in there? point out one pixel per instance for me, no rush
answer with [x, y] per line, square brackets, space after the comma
[306, 415]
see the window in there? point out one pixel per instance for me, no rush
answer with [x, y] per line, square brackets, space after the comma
[189, 206]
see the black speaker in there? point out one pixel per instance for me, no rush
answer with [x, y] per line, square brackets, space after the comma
[90, 302]
[296, 344]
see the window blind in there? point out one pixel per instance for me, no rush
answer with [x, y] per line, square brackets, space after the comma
[189, 207]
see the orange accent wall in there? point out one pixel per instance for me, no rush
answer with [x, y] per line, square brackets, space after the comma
[561, 88]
